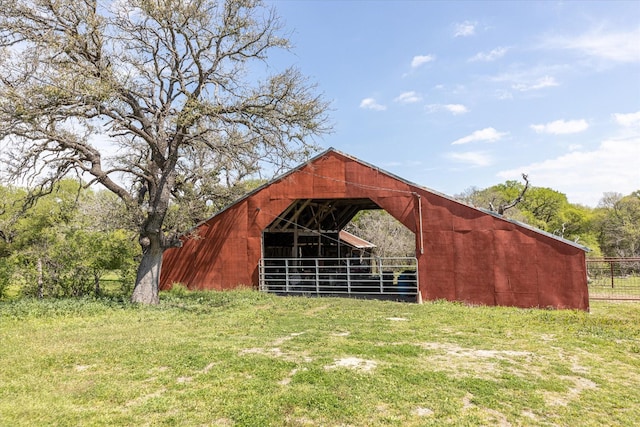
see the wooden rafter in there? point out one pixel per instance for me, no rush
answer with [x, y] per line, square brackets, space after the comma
[325, 215]
[316, 220]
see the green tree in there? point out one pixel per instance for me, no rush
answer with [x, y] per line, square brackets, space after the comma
[83, 257]
[35, 234]
[62, 246]
[541, 207]
[182, 88]
[618, 224]
[9, 212]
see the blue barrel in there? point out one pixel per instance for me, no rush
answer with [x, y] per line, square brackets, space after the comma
[406, 282]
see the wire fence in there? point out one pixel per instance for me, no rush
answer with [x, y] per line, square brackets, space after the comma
[614, 278]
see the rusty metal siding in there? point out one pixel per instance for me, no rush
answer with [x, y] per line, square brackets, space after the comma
[468, 255]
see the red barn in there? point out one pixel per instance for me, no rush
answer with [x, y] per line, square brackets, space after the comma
[284, 237]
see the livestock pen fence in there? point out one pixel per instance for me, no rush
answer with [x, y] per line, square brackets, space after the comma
[614, 278]
[367, 277]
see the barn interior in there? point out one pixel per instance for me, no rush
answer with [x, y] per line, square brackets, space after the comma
[310, 228]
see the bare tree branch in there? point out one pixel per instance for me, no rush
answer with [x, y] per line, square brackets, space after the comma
[503, 207]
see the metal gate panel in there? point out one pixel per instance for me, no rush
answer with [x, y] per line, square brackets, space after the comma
[383, 278]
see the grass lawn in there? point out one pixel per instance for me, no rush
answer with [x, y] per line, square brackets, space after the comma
[245, 358]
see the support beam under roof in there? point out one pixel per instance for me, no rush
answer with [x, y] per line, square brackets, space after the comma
[330, 215]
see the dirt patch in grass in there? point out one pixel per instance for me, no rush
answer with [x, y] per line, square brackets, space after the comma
[563, 399]
[457, 351]
[207, 368]
[287, 380]
[223, 422]
[279, 341]
[422, 412]
[354, 363]
[273, 350]
[277, 353]
[481, 363]
[466, 401]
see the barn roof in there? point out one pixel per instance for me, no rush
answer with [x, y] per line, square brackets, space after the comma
[355, 241]
[407, 182]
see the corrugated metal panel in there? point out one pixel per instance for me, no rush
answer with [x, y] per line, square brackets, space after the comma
[355, 241]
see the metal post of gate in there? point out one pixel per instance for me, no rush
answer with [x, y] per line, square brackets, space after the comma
[348, 277]
[317, 278]
[286, 275]
[380, 275]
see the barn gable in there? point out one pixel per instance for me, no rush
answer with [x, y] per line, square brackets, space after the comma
[463, 253]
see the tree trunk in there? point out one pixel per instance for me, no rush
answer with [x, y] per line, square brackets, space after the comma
[96, 283]
[40, 280]
[148, 277]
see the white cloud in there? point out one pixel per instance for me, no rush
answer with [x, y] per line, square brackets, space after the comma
[492, 55]
[486, 135]
[419, 60]
[618, 46]
[627, 120]
[541, 83]
[524, 78]
[408, 98]
[371, 104]
[464, 29]
[473, 158]
[562, 127]
[452, 108]
[585, 175]
[456, 108]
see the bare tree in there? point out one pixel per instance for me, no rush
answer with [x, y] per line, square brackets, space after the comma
[506, 196]
[392, 239]
[503, 207]
[182, 88]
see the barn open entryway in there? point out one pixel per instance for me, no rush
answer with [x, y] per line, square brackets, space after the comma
[306, 251]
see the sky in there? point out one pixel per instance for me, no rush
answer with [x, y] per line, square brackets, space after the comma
[458, 94]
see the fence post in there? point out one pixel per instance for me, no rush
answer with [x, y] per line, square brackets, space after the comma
[262, 285]
[348, 277]
[611, 270]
